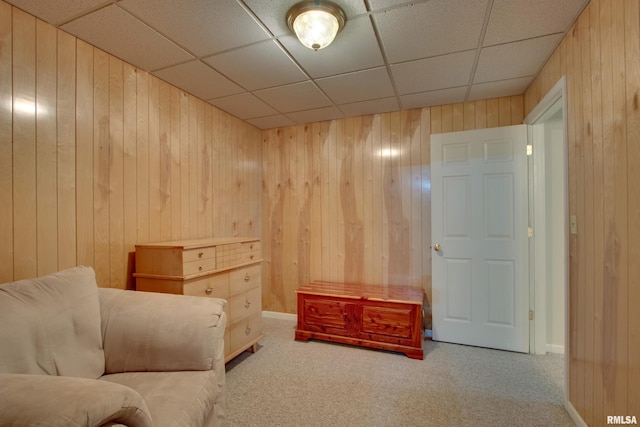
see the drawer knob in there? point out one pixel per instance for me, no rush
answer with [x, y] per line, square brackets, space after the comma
[247, 304]
[247, 331]
[247, 277]
[200, 254]
[199, 268]
[208, 291]
[251, 256]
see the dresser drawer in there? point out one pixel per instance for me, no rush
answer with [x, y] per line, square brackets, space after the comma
[198, 254]
[245, 278]
[216, 286]
[245, 331]
[245, 304]
[199, 266]
[248, 251]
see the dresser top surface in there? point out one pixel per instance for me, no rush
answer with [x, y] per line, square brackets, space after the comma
[197, 243]
[360, 291]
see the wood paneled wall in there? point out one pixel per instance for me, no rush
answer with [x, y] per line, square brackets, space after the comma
[350, 199]
[96, 156]
[600, 58]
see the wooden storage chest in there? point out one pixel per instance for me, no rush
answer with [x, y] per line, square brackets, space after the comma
[382, 317]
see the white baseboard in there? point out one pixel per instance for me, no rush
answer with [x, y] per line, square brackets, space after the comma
[574, 414]
[277, 315]
[554, 348]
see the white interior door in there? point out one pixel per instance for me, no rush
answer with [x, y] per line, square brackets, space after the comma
[480, 238]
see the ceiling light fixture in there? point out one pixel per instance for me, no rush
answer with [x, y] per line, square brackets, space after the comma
[316, 22]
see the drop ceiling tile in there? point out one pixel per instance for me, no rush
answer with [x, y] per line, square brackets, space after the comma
[244, 106]
[56, 12]
[258, 66]
[437, 27]
[355, 48]
[316, 115]
[269, 122]
[374, 106]
[436, 97]
[499, 88]
[513, 20]
[273, 14]
[203, 27]
[294, 97]
[199, 79]
[514, 60]
[429, 74]
[358, 86]
[112, 29]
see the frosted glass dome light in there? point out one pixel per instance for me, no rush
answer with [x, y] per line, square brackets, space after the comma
[316, 23]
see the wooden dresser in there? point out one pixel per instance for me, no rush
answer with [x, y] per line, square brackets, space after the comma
[227, 268]
[382, 317]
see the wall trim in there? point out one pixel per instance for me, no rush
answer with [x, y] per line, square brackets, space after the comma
[554, 348]
[574, 414]
[280, 316]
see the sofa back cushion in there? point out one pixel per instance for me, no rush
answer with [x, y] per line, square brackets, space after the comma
[51, 325]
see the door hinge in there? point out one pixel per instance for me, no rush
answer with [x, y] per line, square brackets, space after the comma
[529, 150]
[530, 231]
[530, 314]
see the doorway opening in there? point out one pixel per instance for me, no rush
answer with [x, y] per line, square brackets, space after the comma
[549, 198]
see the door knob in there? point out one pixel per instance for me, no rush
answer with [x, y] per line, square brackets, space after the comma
[437, 247]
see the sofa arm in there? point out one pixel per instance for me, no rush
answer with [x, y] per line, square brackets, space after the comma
[29, 400]
[145, 331]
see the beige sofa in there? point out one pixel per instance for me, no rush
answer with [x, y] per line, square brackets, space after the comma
[73, 354]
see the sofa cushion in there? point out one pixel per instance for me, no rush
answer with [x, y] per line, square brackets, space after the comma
[51, 325]
[147, 331]
[174, 399]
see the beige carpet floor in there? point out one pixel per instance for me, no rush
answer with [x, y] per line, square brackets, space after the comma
[291, 383]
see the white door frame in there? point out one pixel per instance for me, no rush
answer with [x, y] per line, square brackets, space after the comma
[538, 285]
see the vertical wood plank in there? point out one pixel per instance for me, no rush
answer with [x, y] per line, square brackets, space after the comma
[436, 119]
[185, 166]
[193, 170]
[174, 164]
[619, 242]
[46, 150]
[517, 109]
[24, 145]
[101, 167]
[84, 154]
[469, 115]
[117, 273]
[587, 248]
[504, 111]
[598, 210]
[386, 187]
[142, 157]
[166, 198]
[316, 204]
[377, 211]
[458, 116]
[493, 113]
[632, 67]
[425, 188]
[481, 114]
[447, 118]
[577, 188]
[208, 191]
[66, 145]
[155, 190]
[6, 151]
[415, 187]
[129, 173]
